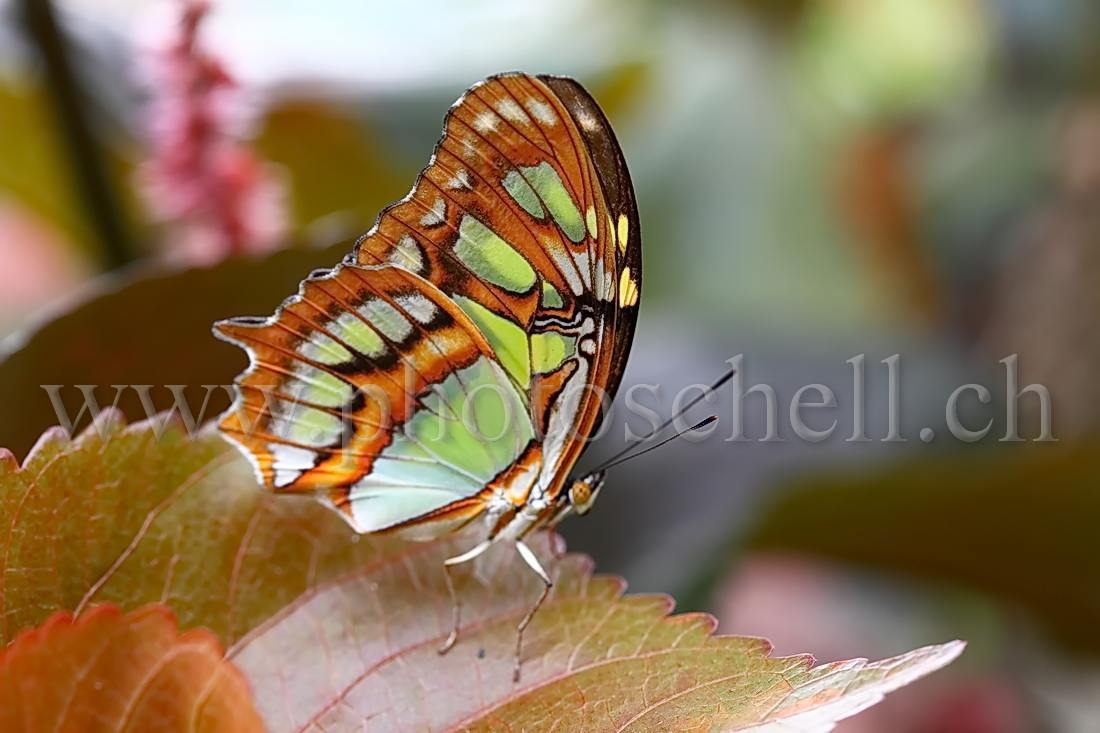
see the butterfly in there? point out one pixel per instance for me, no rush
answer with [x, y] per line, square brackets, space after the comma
[451, 370]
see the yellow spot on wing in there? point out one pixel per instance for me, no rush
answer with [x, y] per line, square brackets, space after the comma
[628, 289]
[590, 220]
[624, 231]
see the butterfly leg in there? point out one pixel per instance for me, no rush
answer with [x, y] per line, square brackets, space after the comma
[532, 562]
[456, 604]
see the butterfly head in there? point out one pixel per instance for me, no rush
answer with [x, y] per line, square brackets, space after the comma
[583, 492]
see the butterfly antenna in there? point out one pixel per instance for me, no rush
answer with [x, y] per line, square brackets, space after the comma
[614, 460]
[669, 439]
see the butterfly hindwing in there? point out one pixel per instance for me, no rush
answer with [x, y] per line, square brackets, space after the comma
[357, 388]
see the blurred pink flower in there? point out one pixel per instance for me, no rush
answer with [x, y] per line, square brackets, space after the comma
[218, 196]
[40, 264]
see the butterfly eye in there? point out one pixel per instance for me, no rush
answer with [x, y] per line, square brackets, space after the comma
[580, 496]
[583, 493]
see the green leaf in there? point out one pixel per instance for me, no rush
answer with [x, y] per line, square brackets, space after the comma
[1015, 522]
[333, 629]
[148, 327]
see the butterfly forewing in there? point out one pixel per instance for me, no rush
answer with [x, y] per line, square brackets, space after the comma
[513, 267]
[531, 165]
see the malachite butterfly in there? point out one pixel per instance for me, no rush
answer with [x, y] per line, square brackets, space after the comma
[449, 372]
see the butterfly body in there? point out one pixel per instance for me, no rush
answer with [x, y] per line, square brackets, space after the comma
[452, 369]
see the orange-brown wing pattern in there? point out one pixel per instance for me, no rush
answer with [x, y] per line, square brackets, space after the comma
[513, 268]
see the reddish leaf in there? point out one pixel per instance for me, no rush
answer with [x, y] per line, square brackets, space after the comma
[109, 672]
[362, 652]
[130, 518]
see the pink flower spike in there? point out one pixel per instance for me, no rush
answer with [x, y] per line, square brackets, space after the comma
[217, 196]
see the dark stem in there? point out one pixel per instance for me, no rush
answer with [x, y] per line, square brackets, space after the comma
[70, 108]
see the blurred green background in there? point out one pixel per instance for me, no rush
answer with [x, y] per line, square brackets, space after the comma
[817, 180]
